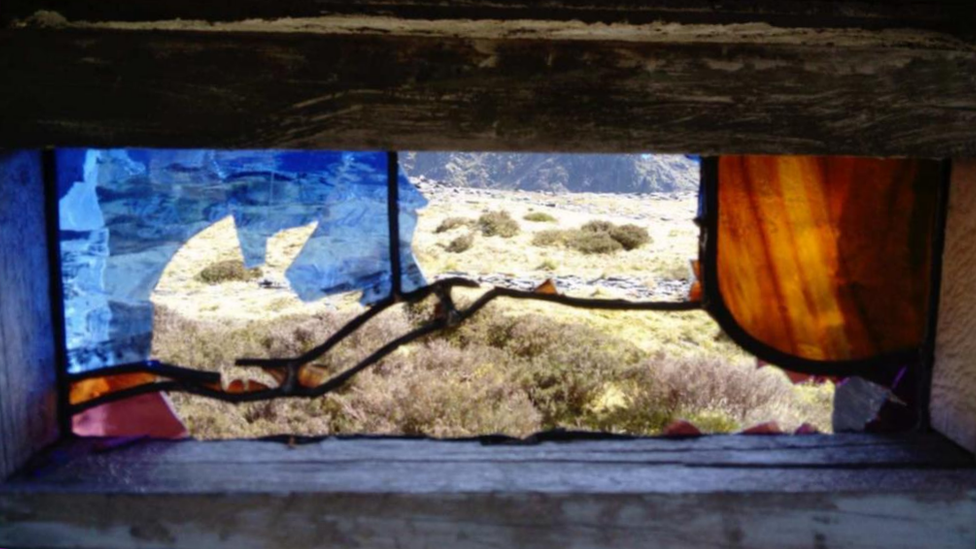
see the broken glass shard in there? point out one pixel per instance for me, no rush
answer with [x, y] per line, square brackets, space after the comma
[125, 213]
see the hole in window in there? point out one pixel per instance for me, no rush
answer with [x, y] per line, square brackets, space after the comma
[466, 294]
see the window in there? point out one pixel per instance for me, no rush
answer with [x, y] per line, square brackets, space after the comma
[788, 270]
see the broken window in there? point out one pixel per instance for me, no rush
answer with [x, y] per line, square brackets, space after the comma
[820, 265]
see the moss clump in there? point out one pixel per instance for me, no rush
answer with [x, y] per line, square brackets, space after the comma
[498, 223]
[230, 270]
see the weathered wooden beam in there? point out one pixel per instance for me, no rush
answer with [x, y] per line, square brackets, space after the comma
[943, 15]
[953, 408]
[375, 82]
[28, 389]
[821, 491]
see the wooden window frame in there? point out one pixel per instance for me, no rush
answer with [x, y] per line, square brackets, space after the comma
[873, 79]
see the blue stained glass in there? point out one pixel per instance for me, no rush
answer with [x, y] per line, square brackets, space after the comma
[126, 212]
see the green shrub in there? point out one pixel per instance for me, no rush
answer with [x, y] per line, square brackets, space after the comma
[598, 226]
[227, 271]
[452, 223]
[593, 243]
[629, 236]
[550, 237]
[461, 244]
[539, 217]
[498, 223]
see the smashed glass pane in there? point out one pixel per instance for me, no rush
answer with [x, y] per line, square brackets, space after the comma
[588, 226]
[126, 212]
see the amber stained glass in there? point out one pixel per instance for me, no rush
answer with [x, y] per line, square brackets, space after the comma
[827, 258]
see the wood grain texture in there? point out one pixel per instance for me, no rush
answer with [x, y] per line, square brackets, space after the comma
[953, 407]
[28, 394]
[354, 82]
[734, 491]
[943, 15]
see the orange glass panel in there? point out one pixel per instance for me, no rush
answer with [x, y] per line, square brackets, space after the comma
[827, 258]
[89, 389]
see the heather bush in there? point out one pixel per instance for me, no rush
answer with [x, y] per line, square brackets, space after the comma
[498, 223]
[595, 237]
[630, 236]
[499, 372]
[461, 244]
[597, 226]
[451, 223]
[593, 243]
[549, 237]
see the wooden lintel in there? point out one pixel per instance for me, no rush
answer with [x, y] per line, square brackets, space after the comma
[943, 15]
[384, 82]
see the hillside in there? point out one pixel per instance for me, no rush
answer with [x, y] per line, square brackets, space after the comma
[595, 173]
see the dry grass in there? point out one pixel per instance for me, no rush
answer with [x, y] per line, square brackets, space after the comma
[516, 368]
[669, 224]
[228, 270]
[461, 244]
[500, 373]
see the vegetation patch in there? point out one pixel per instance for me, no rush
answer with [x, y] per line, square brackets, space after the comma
[597, 226]
[549, 237]
[630, 236]
[230, 270]
[498, 223]
[595, 237]
[461, 244]
[500, 372]
[539, 217]
[451, 223]
[593, 242]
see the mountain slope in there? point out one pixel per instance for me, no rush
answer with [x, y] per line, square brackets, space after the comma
[600, 173]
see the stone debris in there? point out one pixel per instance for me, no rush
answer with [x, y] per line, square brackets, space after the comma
[628, 287]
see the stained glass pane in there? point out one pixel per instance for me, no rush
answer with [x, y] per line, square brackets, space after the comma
[125, 214]
[827, 258]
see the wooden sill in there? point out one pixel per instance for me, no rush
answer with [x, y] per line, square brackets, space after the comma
[722, 491]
